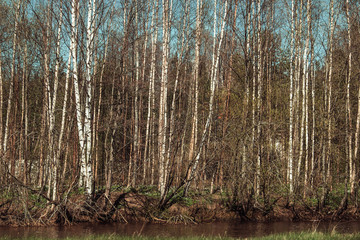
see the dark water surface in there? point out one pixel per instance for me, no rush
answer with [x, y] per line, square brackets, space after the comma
[229, 229]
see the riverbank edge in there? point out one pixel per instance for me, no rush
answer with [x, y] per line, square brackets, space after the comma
[130, 207]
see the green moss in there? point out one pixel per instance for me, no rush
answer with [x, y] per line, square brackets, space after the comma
[153, 193]
[336, 196]
[311, 201]
[7, 195]
[188, 201]
[37, 200]
[147, 188]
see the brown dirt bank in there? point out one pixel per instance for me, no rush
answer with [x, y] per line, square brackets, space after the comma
[135, 207]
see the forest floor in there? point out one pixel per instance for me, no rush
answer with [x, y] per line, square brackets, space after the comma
[142, 206]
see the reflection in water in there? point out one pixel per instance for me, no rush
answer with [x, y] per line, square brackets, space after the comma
[229, 229]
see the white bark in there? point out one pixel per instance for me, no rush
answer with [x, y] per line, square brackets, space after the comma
[136, 102]
[143, 78]
[291, 102]
[88, 100]
[151, 92]
[49, 115]
[194, 124]
[247, 79]
[12, 77]
[84, 126]
[352, 169]
[298, 87]
[305, 93]
[163, 100]
[329, 116]
[109, 154]
[195, 93]
[254, 73]
[22, 149]
[76, 89]
[312, 74]
[356, 138]
[53, 150]
[259, 96]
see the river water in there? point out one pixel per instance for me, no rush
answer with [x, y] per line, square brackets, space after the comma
[223, 229]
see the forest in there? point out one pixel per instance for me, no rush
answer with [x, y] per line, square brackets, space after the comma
[257, 101]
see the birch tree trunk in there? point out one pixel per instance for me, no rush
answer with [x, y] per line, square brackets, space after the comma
[195, 83]
[163, 101]
[299, 131]
[53, 149]
[23, 135]
[49, 114]
[144, 164]
[247, 79]
[254, 97]
[11, 85]
[109, 152]
[74, 6]
[329, 106]
[356, 143]
[291, 101]
[84, 126]
[305, 94]
[148, 157]
[303, 100]
[88, 98]
[313, 82]
[259, 97]
[195, 94]
[352, 169]
[136, 101]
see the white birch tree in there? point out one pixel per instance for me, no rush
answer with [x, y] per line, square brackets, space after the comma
[11, 90]
[352, 169]
[162, 128]
[305, 88]
[83, 112]
[151, 92]
[291, 101]
[329, 97]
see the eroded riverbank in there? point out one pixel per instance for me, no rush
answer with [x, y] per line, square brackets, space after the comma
[134, 207]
